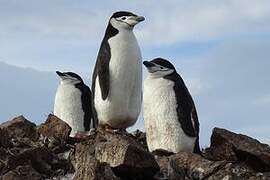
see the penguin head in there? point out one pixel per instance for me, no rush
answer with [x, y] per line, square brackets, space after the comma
[125, 20]
[69, 78]
[159, 67]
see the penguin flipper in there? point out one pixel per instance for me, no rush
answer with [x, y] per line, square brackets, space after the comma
[188, 117]
[86, 105]
[186, 110]
[104, 82]
[86, 96]
[103, 73]
[187, 113]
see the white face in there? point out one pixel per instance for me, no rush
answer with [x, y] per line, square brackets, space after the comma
[69, 80]
[126, 22]
[158, 71]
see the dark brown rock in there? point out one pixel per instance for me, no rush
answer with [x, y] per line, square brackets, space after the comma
[20, 127]
[2, 167]
[162, 152]
[41, 159]
[260, 176]
[239, 171]
[55, 128]
[4, 153]
[229, 146]
[188, 166]
[126, 156]
[22, 173]
[4, 138]
[87, 167]
[141, 138]
[163, 162]
[24, 154]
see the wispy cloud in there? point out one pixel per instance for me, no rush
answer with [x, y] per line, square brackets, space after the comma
[205, 20]
[232, 77]
[220, 48]
[166, 22]
[48, 34]
[263, 100]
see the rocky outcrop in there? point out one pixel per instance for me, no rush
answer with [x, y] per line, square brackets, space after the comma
[22, 173]
[87, 166]
[4, 138]
[113, 156]
[46, 151]
[25, 155]
[230, 156]
[187, 165]
[20, 127]
[229, 146]
[125, 155]
[55, 128]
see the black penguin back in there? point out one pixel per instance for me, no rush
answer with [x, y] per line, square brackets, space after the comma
[86, 106]
[101, 69]
[186, 110]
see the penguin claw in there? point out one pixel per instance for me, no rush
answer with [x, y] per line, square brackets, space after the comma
[106, 128]
[82, 135]
[111, 130]
[92, 131]
[122, 131]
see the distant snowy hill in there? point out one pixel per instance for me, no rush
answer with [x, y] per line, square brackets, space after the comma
[26, 91]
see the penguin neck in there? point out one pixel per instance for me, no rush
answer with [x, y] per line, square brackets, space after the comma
[70, 83]
[112, 31]
[173, 76]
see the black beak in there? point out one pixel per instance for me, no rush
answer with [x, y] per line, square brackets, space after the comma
[140, 18]
[148, 64]
[60, 74]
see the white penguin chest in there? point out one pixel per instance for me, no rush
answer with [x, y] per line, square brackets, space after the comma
[163, 129]
[125, 63]
[68, 107]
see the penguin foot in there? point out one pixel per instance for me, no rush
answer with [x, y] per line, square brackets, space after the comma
[92, 131]
[109, 129]
[121, 131]
[82, 135]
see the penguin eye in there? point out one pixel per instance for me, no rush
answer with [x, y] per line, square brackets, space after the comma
[123, 18]
[161, 67]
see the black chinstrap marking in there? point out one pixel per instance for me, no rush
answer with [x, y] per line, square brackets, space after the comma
[125, 22]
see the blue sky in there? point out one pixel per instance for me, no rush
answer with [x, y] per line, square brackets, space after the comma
[221, 49]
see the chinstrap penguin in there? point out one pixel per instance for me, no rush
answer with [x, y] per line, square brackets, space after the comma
[170, 116]
[117, 76]
[73, 103]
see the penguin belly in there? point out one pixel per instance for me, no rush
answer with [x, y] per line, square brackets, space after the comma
[122, 106]
[163, 129]
[68, 107]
